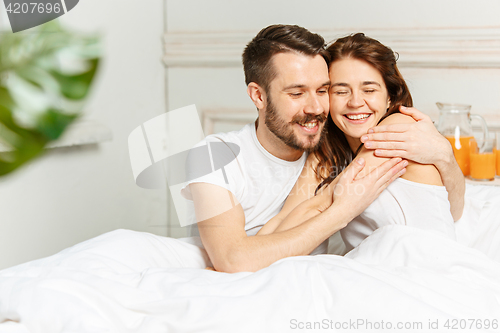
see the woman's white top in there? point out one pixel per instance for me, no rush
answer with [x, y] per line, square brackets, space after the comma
[405, 203]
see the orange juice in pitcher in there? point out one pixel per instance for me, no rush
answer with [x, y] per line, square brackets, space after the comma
[455, 125]
[461, 151]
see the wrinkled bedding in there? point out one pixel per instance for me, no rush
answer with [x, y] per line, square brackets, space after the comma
[127, 281]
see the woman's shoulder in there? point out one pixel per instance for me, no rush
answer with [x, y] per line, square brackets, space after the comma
[397, 118]
[415, 172]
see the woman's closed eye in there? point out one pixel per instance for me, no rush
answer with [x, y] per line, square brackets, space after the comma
[341, 92]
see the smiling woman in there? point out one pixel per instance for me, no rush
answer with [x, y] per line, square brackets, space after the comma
[366, 87]
[367, 91]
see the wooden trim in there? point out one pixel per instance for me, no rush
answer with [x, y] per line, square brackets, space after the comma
[435, 48]
[237, 117]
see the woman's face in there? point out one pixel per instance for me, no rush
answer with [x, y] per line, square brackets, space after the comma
[358, 98]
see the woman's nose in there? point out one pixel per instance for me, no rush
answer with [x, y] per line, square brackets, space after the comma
[356, 100]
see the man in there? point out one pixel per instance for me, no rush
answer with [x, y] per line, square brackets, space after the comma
[286, 71]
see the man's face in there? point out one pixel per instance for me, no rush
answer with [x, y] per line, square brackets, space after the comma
[297, 101]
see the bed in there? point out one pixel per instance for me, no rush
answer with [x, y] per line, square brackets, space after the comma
[399, 279]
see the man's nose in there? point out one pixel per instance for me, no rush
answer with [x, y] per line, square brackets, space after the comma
[314, 105]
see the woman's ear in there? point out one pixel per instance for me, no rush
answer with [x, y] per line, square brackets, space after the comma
[388, 104]
[257, 95]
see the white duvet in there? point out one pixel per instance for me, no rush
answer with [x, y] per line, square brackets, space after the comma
[398, 279]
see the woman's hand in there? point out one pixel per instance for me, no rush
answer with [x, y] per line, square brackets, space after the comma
[358, 194]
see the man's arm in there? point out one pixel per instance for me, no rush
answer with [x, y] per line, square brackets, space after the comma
[231, 250]
[422, 143]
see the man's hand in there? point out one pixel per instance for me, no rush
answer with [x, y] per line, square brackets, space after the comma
[419, 142]
[422, 143]
[358, 194]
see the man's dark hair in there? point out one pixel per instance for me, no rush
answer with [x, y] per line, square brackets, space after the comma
[275, 39]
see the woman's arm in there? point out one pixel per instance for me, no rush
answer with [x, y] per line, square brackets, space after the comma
[342, 191]
[302, 190]
[309, 208]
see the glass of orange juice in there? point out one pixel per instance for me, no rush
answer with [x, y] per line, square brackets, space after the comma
[483, 159]
[496, 149]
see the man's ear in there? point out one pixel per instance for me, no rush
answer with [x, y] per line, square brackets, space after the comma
[257, 95]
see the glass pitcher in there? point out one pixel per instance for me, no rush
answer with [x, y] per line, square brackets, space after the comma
[455, 124]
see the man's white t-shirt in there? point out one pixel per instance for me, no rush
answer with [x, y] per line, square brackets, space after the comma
[259, 180]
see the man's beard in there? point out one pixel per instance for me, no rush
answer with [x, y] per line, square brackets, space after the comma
[284, 131]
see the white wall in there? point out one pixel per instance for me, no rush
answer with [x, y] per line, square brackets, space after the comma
[73, 194]
[400, 24]
[219, 15]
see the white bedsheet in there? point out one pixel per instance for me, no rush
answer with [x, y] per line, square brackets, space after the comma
[479, 226]
[126, 281]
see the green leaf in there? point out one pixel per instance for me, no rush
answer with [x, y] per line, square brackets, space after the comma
[5, 98]
[76, 87]
[34, 58]
[53, 123]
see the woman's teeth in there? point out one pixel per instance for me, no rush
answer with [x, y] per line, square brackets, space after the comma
[309, 125]
[357, 116]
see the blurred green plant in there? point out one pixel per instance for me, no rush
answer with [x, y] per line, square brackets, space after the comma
[45, 75]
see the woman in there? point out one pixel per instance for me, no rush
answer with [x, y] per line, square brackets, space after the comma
[367, 89]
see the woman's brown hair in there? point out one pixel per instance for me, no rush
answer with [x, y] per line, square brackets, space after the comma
[334, 153]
